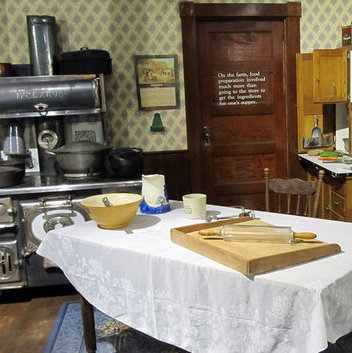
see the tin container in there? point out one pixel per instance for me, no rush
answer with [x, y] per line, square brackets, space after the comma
[42, 44]
[346, 35]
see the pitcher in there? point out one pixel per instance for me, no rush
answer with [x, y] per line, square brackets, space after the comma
[155, 198]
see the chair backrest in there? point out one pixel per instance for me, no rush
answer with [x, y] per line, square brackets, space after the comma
[293, 196]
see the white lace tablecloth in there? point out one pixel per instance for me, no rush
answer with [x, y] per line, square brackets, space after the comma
[141, 278]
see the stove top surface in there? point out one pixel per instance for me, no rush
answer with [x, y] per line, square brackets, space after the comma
[37, 183]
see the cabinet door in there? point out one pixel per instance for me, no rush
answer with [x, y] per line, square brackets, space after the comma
[306, 107]
[330, 75]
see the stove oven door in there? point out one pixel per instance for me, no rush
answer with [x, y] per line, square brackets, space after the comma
[47, 213]
[9, 264]
[11, 269]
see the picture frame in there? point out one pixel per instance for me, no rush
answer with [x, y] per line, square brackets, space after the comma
[157, 82]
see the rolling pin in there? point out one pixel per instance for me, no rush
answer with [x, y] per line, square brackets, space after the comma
[256, 233]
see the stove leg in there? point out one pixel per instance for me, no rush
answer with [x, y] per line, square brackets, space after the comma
[88, 325]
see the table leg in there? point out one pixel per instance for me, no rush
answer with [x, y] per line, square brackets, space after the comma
[88, 325]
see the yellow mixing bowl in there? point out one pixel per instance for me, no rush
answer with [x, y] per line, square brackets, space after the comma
[112, 211]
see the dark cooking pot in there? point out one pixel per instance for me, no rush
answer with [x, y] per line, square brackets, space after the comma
[82, 157]
[10, 176]
[126, 162]
[19, 163]
[85, 61]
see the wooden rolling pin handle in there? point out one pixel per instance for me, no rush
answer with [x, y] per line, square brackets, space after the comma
[207, 232]
[304, 235]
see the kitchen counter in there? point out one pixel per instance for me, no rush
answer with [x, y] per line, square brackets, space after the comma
[336, 169]
[336, 197]
[35, 183]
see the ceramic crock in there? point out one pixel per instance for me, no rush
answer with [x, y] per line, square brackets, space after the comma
[155, 197]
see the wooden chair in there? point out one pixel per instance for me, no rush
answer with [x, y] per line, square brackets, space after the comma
[293, 196]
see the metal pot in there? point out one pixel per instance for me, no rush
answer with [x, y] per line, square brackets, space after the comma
[126, 162]
[82, 157]
[19, 163]
[10, 176]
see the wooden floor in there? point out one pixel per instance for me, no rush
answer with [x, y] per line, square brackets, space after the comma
[27, 317]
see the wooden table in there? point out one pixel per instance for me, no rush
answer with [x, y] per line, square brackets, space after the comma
[141, 278]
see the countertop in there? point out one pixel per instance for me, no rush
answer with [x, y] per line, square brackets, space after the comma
[336, 169]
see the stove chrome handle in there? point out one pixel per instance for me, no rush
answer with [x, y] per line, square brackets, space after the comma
[7, 210]
[67, 202]
[11, 212]
[41, 108]
[7, 225]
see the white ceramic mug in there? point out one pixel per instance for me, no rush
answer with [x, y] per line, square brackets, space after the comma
[195, 205]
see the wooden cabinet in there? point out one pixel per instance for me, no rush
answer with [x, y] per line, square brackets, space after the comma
[322, 82]
[307, 108]
[330, 75]
[336, 198]
[323, 79]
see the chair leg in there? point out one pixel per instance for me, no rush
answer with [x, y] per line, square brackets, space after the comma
[88, 325]
[266, 177]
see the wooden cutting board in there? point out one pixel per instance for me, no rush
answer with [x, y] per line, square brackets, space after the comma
[249, 258]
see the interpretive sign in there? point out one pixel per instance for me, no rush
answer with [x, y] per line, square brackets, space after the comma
[241, 88]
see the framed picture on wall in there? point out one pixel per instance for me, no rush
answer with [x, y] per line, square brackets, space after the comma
[157, 82]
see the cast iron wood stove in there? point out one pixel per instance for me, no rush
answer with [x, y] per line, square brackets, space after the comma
[29, 210]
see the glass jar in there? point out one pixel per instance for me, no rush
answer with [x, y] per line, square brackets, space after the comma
[14, 141]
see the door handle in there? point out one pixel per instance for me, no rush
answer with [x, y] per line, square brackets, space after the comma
[207, 135]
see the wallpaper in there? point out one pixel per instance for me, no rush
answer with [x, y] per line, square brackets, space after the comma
[142, 27]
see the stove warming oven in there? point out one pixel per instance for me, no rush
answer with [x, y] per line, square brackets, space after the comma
[28, 211]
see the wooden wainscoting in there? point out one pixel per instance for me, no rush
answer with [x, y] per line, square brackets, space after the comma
[175, 166]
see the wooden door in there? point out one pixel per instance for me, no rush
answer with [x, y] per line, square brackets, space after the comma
[239, 109]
